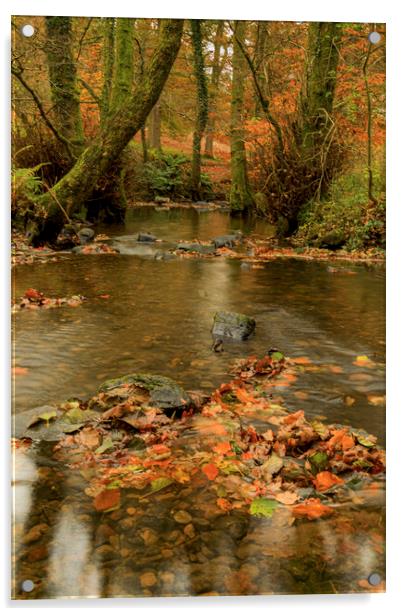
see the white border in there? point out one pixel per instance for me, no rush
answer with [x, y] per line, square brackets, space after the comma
[293, 10]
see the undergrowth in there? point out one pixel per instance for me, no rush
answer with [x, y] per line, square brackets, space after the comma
[347, 211]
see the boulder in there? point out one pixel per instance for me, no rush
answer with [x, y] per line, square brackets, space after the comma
[227, 240]
[233, 325]
[333, 240]
[165, 393]
[86, 235]
[146, 237]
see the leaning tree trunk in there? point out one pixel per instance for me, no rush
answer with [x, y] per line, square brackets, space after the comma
[213, 91]
[110, 202]
[241, 197]
[202, 107]
[63, 83]
[124, 122]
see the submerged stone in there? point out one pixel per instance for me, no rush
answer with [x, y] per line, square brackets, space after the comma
[165, 393]
[233, 325]
[227, 241]
[146, 237]
[203, 249]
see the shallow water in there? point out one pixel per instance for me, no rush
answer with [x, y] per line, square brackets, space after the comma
[157, 316]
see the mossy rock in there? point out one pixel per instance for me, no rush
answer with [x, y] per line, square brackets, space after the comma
[233, 325]
[164, 393]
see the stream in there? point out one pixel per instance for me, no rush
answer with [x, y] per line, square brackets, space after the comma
[147, 313]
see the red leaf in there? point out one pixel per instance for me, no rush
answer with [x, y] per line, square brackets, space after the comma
[211, 471]
[108, 499]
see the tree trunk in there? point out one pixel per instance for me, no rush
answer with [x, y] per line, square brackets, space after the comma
[213, 91]
[124, 62]
[120, 127]
[260, 65]
[202, 107]
[241, 197]
[108, 66]
[319, 83]
[63, 82]
[155, 127]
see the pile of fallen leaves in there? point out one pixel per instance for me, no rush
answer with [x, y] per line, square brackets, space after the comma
[288, 462]
[23, 254]
[263, 251]
[97, 248]
[33, 299]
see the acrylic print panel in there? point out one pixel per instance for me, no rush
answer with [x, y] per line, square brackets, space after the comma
[198, 307]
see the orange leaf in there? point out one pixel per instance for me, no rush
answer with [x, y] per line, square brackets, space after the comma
[158, 449]
[224, 504]
[326, 480]
[301, 360]
[347, 442]
[223, 448]
[108, 499]
[290, 419]
[19, 371]
[210, 470]
[312, 508]
[244, 396]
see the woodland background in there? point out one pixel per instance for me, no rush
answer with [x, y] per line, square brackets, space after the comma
[284, 120]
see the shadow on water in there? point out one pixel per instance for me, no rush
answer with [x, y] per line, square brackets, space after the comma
[156, 316]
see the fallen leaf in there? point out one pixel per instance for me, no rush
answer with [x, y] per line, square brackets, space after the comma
[223, 448]
[301, 395]
[263, 507]
[19, 371]
[349, 400]
[107, 500]
[286, 498]
[244, 396]
[89, 438]
[363, 360]
[312, 508]
[224, 504]
[210, 470]
[376, 400]
[301, 361]
[326, 480]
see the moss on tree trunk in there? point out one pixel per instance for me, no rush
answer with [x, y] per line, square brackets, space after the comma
[202, 107]
[317, 96]
[63, 82]
[120, 127]
[213, 90]
[109, 28]
[241, 197]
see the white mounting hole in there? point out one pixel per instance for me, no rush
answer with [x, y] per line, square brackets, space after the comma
[374, 37]
[28, 30]
[27, 585]
[374, 579]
